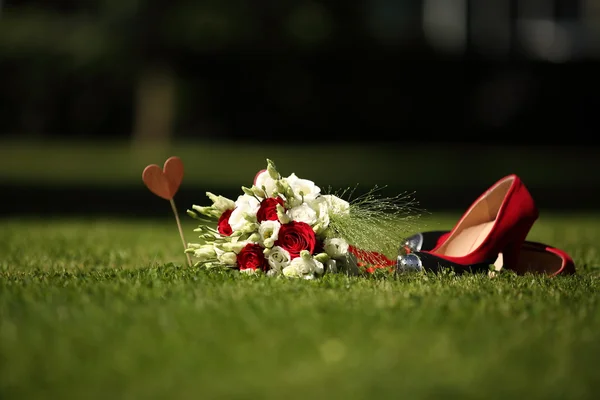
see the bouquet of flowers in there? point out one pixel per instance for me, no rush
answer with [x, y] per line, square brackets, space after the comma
[286, 226]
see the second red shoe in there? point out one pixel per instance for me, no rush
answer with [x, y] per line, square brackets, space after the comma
[497, 222]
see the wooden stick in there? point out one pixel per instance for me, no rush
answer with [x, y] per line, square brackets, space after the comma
[189, 259]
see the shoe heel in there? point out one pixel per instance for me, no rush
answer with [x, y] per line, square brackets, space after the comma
[512, 250]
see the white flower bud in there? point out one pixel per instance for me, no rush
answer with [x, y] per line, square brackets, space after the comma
[258, 192]
[248, 191]
[254, 238]
[272, 170]
[235, 247]
[228, 257]
[205, 253]
[207, 211]
[281, 215]
[220, 203]
[322, 257]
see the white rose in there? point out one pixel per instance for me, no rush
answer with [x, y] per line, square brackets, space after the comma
[335, 247]
[304, 266]
[245, 205]
[337, 205]
[321, 207]
[303, 213]
[265, 182]
[304, 190]
[269, 232]
[278, 258]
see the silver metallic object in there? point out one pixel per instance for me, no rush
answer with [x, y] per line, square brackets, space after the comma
[331, 267]
[408, 263]
[414, 242]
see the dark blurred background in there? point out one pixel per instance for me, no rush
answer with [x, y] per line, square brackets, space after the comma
[442, 97]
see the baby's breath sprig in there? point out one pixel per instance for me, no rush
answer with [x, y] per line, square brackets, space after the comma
[375, 222]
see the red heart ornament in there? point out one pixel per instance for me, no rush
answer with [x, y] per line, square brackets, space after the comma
[166, 181]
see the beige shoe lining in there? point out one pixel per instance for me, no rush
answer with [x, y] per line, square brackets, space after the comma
[534, 260]
[477, 222]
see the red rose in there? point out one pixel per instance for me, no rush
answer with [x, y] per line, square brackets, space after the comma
[252, 257]
[268, 209]
[295, 237]
[223, 225]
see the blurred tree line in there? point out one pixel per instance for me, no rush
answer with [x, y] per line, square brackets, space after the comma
[253, 69]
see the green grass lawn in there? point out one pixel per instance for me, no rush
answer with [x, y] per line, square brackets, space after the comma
[105, 309]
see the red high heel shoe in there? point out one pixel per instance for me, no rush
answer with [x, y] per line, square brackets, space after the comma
[536, 258]
[497, 222]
